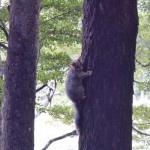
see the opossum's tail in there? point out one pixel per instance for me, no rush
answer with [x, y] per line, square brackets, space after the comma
[77, 117]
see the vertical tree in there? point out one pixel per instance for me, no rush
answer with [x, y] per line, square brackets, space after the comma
[20, 77]
[109, 41]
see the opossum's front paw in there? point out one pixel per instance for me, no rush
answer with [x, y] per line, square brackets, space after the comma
[90, 73]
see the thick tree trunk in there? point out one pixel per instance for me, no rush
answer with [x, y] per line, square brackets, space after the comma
[20, 77]
[109, 41]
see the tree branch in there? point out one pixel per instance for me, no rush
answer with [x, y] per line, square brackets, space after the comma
[49, 97]
[3, 28]
[62, 14]
[3, 46]
[64, 33]
[141, 123]
[140, 132]
[143, 65]
[136, 81]
[73, 133]
[40, 88]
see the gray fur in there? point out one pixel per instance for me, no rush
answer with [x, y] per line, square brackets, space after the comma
[75, 89]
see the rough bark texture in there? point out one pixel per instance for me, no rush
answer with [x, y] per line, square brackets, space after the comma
[109, 41]
[20, 77]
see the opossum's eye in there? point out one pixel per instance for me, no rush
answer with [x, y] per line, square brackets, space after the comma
[72, 64]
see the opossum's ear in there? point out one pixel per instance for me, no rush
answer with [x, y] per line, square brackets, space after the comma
[72, 64]
[80, 59]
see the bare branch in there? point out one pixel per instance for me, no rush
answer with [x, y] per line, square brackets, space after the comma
[141, 123]
[49, 97]
[3, 28]
[137, 82]
[64, 33]
[62, 14]
[140, 132]
[73, 133]
[143, 65]
[40, 88]
[3, 46]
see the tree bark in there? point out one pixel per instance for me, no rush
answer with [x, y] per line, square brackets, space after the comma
[20, 76]
[109, 43]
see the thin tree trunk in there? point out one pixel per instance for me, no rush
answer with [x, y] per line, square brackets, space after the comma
[109, 41]
[20, 77]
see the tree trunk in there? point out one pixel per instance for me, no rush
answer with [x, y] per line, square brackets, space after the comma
[20, 77]
[109, 41]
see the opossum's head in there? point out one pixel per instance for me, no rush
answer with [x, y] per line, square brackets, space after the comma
[77, 64]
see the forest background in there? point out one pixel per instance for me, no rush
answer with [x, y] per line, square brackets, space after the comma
[59, 42]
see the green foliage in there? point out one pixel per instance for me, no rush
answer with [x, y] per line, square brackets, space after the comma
[140, 117]
[59, 22]
[4, 17]
[142, 74]
[58, 28]
[62, 113]
[52, 66]
[144, 5]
